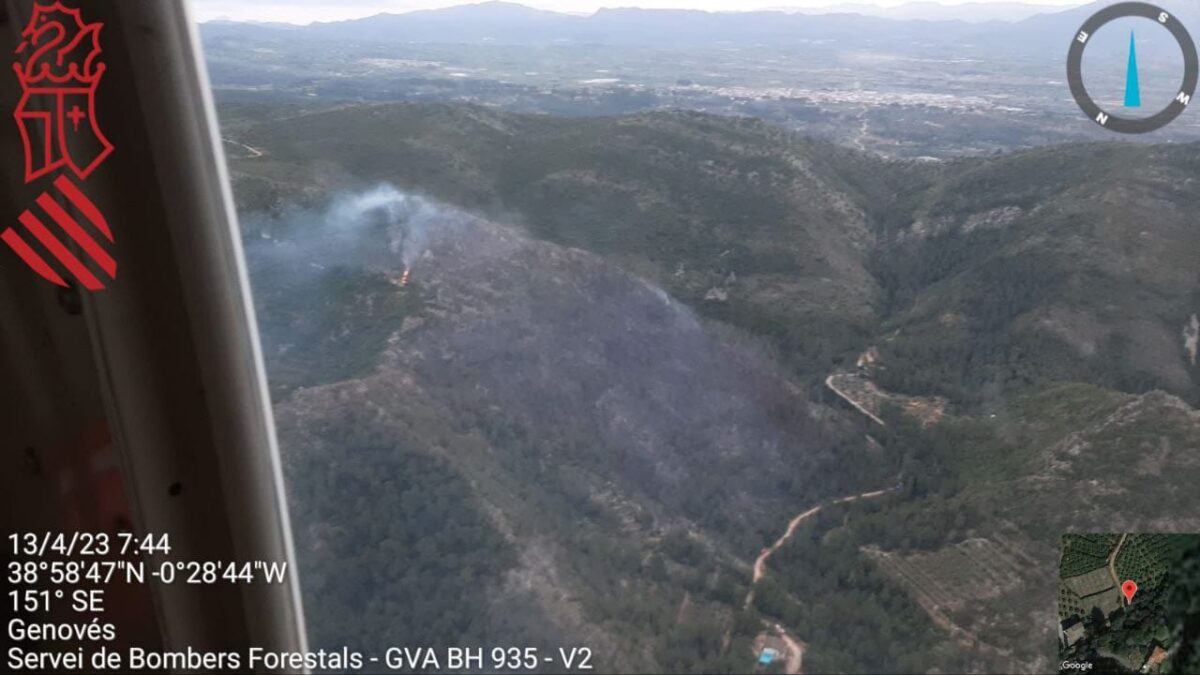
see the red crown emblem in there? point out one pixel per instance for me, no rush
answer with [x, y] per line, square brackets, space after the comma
[59, 49]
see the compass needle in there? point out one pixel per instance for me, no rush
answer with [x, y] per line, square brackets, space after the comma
[1133, 92]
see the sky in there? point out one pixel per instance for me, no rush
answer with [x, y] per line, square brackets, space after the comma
[306, 11]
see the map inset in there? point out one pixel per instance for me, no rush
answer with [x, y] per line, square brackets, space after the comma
[1129, 603]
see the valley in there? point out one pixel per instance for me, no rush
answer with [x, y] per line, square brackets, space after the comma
[911, 88]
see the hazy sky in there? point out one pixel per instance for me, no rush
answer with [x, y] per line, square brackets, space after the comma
[305, 11]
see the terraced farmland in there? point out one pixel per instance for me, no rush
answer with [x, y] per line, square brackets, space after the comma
[974, 569]
[1085, 580]
[1077, 595]
[1090, 583]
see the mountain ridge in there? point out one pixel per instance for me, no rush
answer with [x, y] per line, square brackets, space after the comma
[513, 22]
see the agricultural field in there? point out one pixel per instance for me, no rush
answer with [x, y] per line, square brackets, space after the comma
[1090, 583]
[1146, 558]
[950, 577]
[1078, 595]
[1085, 552]
[970, 589]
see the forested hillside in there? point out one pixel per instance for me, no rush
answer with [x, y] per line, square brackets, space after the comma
[608, 339]
[1042, 265]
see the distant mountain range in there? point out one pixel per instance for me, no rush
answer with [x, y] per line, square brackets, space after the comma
[922, 10]
[914, 25]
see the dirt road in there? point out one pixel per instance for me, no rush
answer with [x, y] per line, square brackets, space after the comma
[760, 564]
[795, 659]
[255, 153]
[1112, 564]
[795, 649]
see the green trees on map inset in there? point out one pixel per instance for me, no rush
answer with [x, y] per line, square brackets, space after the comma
[1085, 552]
[1145, 558]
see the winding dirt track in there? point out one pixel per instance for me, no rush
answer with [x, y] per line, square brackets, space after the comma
[760, 564]
[1112, 566]
[760, 567]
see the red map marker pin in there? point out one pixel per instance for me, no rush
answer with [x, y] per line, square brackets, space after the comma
[1129, 588]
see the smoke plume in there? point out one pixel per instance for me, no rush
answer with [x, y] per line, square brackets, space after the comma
[381, 229]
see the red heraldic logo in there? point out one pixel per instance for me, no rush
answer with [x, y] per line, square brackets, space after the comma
[59, 70]
[59, 76]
